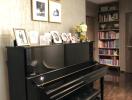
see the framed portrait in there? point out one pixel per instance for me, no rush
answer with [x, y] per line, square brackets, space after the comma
[55, 11]
[56, 37]
[40, 10]
[21, 37]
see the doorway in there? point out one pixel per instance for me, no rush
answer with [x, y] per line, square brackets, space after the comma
[91, 31]
[129, 42]
[90, 21]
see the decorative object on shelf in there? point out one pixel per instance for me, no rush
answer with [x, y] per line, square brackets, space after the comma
[115, 53]
[33, 37]
[55, 11]
[102, 26]
[40, 10]
[45, 39]
[21, 37]
[56, 37]
[81, 30]
[116, 26]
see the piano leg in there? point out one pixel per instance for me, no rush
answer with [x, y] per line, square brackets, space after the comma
[102, 88]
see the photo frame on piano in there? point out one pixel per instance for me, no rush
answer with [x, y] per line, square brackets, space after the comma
[56, 37]
[21, 37]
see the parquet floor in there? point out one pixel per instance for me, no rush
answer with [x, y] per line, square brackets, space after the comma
[121, 91]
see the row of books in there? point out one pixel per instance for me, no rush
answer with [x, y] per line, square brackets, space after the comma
[112, 62]
[108, 52]
[109, 44]
[108, 17]
[108, 35]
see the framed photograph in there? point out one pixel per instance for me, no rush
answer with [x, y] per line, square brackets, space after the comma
[40, 10]
[73, 39]
[56, 37]
[33, 37]
[64, 37]
[54, 11]
[69, 36]
[45, 39]
[21, 37]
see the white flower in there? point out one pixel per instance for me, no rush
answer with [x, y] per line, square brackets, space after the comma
[83, 27]
[80, 28]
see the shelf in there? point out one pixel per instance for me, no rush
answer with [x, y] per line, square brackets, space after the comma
[111, 65]
[106, 30]
[108, 55]
[116, 21]
[108, 48]
[108, 39]
[109, 11]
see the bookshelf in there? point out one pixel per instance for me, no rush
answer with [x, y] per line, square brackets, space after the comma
[108, 34]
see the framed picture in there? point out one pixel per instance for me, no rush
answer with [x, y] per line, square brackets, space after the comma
[56, 37]
[45, 39]
[40, 10]
[21, 37]
[33, 37]
[69, 36]
[64, 37]
[54, 11]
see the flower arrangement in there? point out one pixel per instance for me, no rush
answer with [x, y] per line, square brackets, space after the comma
[81, 30]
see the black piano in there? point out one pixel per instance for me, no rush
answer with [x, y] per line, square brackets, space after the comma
[54, 72]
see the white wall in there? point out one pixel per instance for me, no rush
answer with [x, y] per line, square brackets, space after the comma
[17, 14]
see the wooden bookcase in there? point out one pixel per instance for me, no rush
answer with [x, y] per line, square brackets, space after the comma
[108, 34]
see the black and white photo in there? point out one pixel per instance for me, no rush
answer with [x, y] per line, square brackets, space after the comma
[56, 37]
[54, 11]
[40, 10]
[21, 37]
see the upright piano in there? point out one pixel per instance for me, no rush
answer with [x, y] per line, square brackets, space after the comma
[54, 72]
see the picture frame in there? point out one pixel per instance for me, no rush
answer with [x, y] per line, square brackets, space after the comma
[33, 37]
[55, 11]
[46, 39]
[69, 36]
[20, 36]
[40, 10]
[56, 37]
[64, 37]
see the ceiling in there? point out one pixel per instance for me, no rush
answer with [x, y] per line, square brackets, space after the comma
[101, 1]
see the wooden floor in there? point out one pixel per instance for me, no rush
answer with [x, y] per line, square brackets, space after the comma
[121, 91]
